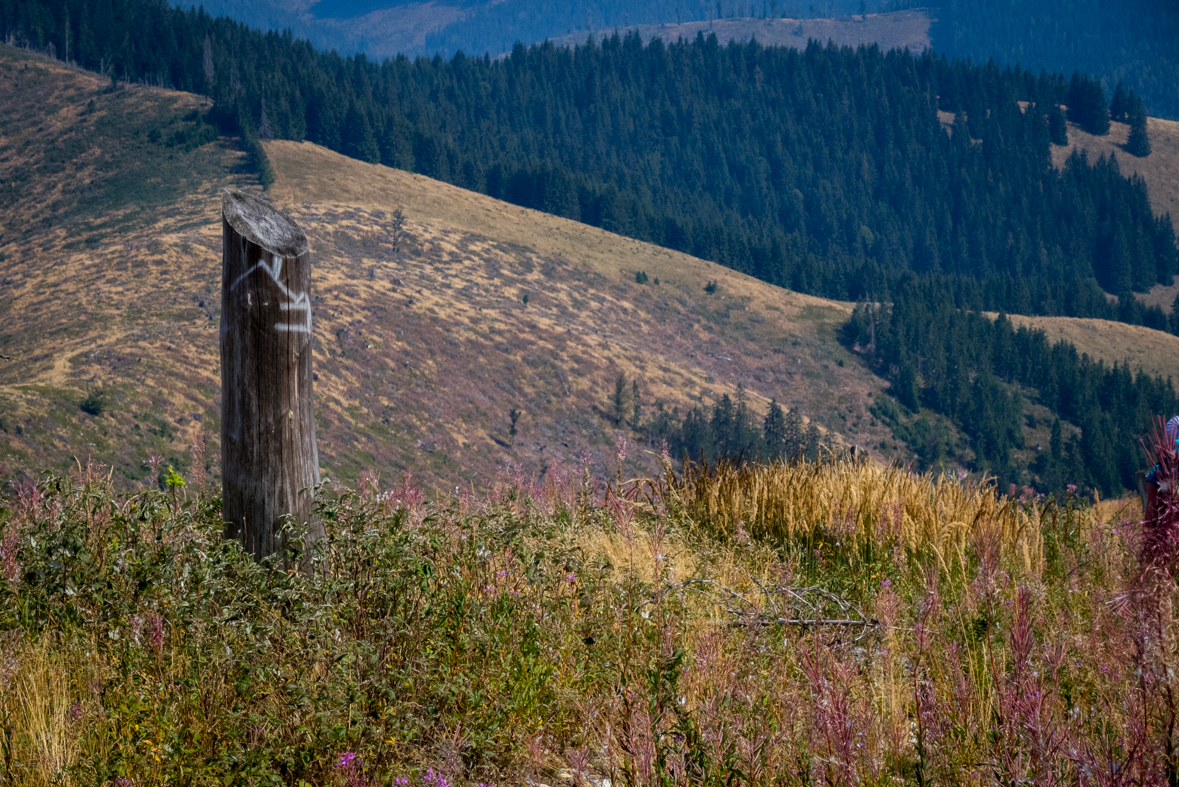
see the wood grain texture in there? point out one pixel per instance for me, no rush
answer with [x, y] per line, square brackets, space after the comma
[269, 458]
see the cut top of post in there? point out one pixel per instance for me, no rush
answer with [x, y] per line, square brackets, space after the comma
[259, 222]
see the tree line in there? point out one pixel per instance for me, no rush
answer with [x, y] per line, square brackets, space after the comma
[728, 429]
[1131, 41]
[824, 170]
[980, 373]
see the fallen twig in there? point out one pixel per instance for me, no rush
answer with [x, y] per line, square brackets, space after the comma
[764, 621]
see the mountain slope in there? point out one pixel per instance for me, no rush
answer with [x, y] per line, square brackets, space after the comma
[110, 278]
[420, 353]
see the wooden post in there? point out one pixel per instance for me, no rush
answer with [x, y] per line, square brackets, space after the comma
[269, 460]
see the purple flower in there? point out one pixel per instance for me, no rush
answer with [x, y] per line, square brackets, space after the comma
[570, 577]
[620, 447]
[346, 759]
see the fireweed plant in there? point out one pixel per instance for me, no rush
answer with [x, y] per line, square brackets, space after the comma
[828, 623]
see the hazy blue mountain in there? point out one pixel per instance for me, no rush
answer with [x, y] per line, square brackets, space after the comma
[382, 28]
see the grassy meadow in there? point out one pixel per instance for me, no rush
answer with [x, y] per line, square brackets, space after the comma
[836, 623]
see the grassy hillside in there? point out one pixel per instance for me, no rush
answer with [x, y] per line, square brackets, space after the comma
[421, 352]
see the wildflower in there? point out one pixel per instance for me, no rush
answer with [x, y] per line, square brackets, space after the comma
[155, 623]
[346, 759]
[570, 577]
[620, 447]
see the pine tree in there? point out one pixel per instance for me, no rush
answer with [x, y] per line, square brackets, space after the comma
[1119, 106]
[794, 436]
[1138, 144]
[265, 131]
[1086, 105]
[1057, 128]
[207, 62]
[811, 442]
[357, 136]
[773, 431]
[618, 400]
[906, 385]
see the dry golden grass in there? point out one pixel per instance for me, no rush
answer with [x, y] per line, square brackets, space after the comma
[857, 503]
[44, 736]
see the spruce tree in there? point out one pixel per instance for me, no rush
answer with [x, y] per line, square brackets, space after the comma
[358, 140]
[773, 431]
[1138, 144]
[1086, 105]
[618, 400]
[1119, 106]
[1057, 128]
[793, 434]
[906, 385]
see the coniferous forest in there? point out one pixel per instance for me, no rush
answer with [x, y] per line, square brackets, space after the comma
[976, 372]
[1131, 42]
[826, 171]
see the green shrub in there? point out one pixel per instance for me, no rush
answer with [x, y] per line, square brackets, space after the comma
[94, 403]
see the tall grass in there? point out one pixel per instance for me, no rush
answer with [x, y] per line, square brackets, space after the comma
[857, 508]
[830, 623]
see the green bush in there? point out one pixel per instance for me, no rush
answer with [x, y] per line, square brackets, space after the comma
[94, 403]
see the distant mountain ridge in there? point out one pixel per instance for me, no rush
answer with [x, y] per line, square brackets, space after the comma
[385, 28]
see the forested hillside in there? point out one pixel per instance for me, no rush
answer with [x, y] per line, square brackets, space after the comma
[1132, 41]
[977, 371]
[825, 171]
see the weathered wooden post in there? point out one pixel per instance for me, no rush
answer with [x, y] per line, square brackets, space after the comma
[269, 460]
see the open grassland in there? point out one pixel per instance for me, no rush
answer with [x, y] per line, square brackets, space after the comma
[896, 30]
[817, 624]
